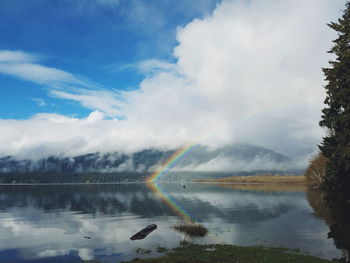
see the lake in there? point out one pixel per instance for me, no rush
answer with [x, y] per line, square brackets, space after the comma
[74, 223]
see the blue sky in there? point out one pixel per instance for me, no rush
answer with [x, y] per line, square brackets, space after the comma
[94, 39]
[125, 75]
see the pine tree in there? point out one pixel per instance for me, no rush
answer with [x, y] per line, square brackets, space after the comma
[336, 114]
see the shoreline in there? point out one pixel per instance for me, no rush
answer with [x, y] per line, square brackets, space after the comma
[259, 179]
[226, 253]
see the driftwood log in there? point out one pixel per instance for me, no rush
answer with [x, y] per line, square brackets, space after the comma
[144, 232]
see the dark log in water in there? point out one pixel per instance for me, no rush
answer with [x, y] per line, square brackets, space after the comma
[144, 232]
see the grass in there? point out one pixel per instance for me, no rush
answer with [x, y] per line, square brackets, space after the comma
[231, 254]
[184, 243]
[161, 249]
[262, 178]
[266, 187]
[191, 229]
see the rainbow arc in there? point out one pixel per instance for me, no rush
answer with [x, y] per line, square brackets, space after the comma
[152, 181]
[171, 203]
[170, 162]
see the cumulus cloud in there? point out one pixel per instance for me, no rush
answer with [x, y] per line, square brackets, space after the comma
[250, 71]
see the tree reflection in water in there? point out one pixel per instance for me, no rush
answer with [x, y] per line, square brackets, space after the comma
[335, 210]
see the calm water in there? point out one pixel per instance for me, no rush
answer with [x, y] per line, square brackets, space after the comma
[48, 223]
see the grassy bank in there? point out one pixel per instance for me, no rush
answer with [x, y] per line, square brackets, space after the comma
[231, 254]
[266, 187]
[261, 179]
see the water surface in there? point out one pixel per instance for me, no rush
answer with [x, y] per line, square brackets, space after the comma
[50, 223]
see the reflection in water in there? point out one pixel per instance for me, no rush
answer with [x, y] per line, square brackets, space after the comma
[170, 202]
[335, 211]
[50, 222]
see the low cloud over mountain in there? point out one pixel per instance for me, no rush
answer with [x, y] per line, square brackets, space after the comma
[234, 158]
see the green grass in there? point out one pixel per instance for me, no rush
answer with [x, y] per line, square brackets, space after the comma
[191, 230]
[231, 254]
[162, 249]
[184, 243]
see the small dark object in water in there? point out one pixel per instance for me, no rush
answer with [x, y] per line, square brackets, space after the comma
[144, 232]
[87, 237]
[184, 186]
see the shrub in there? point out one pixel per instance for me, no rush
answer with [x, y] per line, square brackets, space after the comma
[315, 173]
[192, 230]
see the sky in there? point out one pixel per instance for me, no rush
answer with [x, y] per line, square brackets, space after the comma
[117, 75]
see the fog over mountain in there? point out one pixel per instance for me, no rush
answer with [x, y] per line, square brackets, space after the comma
[239, 75]
[233, 158]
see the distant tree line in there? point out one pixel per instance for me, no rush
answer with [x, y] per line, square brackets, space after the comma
[48, 178]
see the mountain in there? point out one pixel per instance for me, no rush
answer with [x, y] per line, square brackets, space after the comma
[238, 157]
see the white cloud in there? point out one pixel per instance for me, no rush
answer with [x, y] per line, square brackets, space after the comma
[251, 71]
[7, 56]
[152, 66]
[25, 66]
[60, 84]
[263, 163]
[53, 134]
[41, 102]
[106, 101]
[86, 254]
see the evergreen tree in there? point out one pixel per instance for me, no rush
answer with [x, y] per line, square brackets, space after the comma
[336, 114]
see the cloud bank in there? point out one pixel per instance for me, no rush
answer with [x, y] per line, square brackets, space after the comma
[249, 72]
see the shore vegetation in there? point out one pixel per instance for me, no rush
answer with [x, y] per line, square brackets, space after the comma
[231, 254]
[191, 229]
[261, 179]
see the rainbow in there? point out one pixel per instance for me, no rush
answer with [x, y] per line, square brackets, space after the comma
[177, 209]
[170, 162]
[187, 148]
[171, 203]
[162, 194]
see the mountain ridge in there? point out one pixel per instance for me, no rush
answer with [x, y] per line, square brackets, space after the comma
[148, 160]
